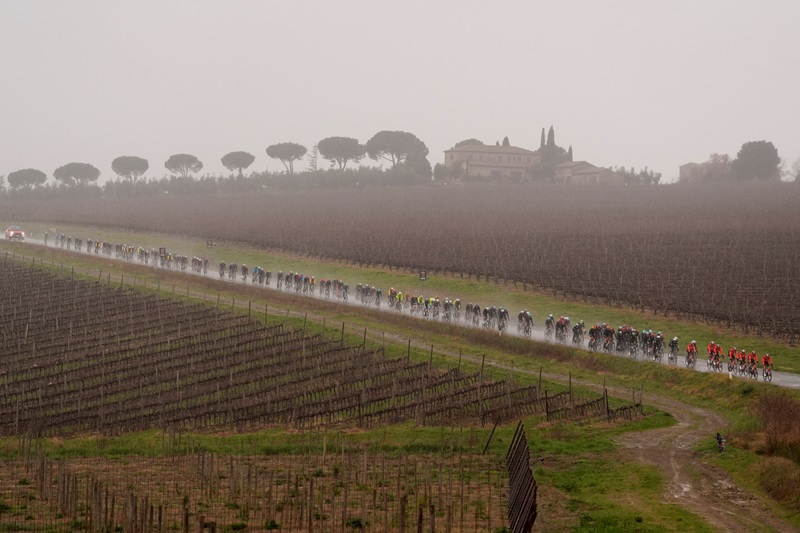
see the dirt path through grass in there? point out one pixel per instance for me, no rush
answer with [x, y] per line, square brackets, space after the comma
[695, 485]
[699, 487]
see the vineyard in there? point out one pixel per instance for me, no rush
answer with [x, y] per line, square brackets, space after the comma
[85, 356]
[342, 489]
[94, 357]
[725, 256]
[90, 356]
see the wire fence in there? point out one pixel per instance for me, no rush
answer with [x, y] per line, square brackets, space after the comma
[522, 488]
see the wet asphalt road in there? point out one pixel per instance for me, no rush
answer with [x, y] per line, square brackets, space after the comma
[782, 379]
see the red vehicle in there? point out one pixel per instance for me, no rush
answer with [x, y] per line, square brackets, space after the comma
[15, 232]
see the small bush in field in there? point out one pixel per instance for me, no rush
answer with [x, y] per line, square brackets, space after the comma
[779, 415]
[781, 479]
[354, 523]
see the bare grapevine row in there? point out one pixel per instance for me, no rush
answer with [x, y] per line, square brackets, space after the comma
[81, 355]
[344, 489]
[727, 255]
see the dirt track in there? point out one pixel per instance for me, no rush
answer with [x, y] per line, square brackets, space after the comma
[702, 488]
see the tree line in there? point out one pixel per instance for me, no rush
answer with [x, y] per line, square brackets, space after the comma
[755, 161]
[407, 154]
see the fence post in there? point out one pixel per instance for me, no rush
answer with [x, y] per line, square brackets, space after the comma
[571, 397]
[546, 407]
[480, 391]
[402, 520]
[539, 387]
[489, 440]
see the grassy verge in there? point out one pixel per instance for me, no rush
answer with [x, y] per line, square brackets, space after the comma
[763, 453]
[774, 479]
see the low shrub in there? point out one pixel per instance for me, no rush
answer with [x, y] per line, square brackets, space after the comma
[779, 414]
[780, 477]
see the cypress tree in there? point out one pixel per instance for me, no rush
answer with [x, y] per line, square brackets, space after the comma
[505, 141]
[569, 154]
[541, 144]
[551, 137]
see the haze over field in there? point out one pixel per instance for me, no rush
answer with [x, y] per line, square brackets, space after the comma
[626, 83]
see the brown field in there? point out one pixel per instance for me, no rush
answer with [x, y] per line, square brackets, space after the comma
[728, 256]
[338, 491]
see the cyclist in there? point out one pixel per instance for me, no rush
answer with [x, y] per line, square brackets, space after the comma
[767, 362]
[549, 324]
[560, 326]
[502, 315]
[711, 349]
[691, 351]
[717, 356]
[742, 359]
[752, 363]
[732, 356]
[521, 320]
[578, 330]
[673, 346]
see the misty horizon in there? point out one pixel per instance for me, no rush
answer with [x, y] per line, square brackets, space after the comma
[625, 84]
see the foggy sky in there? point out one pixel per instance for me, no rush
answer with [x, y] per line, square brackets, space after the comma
[632, 83]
